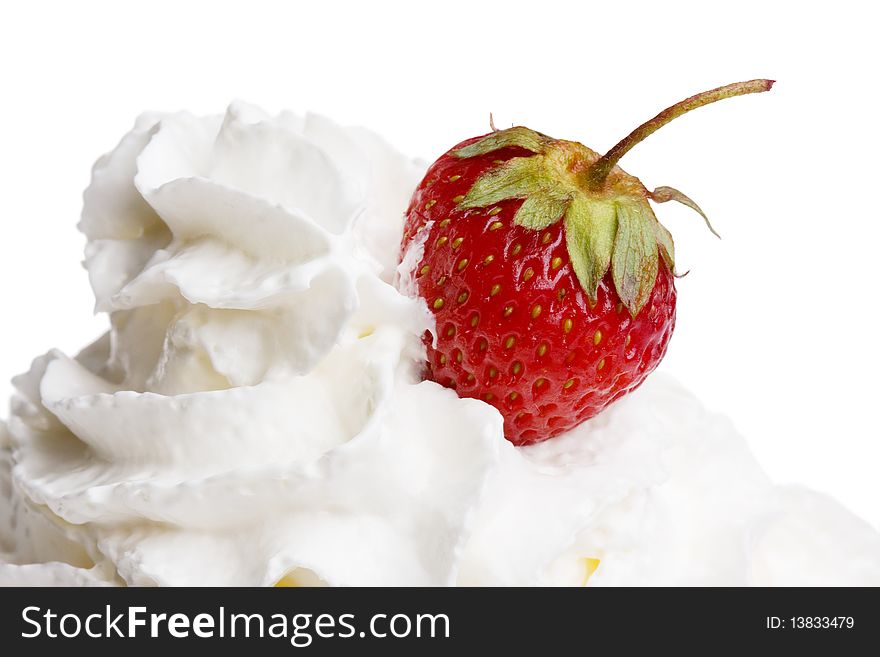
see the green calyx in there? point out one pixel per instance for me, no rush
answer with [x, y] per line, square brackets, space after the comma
[613, 228]
[609, 223]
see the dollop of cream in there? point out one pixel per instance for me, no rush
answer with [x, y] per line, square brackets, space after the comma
[255, 416]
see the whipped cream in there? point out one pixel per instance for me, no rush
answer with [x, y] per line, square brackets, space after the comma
[255, 413]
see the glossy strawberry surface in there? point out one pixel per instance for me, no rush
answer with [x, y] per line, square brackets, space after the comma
[514, 325]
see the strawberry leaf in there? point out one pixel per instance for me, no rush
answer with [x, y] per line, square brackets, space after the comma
[518, 136]
[590, 229]
[635, 261]
[541, 210]
[519, 177]
[664, 240]
[664, 194]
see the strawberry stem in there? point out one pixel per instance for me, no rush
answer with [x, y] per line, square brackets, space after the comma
[600, 169]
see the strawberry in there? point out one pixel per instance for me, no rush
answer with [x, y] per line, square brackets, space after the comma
[550, 278]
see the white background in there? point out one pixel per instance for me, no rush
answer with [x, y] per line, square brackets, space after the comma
[777, 322]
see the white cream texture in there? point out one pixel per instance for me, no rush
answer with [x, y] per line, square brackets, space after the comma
[255, 414]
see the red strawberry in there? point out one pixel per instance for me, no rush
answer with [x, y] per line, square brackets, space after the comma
[549, 276]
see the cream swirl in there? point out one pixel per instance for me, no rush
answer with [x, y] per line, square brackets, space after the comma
[255, 415]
